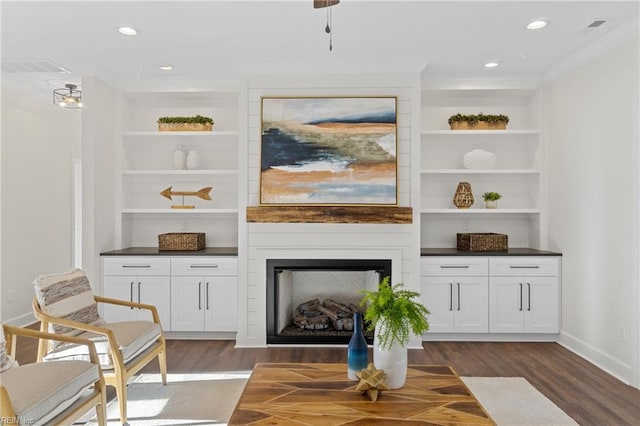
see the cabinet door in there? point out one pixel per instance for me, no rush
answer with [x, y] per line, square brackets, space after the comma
[541, 305]
[123, 288]
[507, 304]
[471, 307]
[437, 296]
[187, 304]
[155, 291]
[221, 303]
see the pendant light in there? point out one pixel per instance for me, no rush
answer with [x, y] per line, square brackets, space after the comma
[68, 97]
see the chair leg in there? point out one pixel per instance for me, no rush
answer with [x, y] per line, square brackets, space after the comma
[162, 361]
[101, 411]
[121, 394]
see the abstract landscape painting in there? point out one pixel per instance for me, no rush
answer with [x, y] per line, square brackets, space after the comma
[328, 151]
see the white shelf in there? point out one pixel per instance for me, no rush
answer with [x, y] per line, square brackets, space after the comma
[479, 211]
[508, 132]
[169, 211]
[181, 172]
[480, 171]
[154, 133]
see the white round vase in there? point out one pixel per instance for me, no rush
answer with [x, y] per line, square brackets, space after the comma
[193, 160]
[179, 159]
[392, 360]
[479, 159]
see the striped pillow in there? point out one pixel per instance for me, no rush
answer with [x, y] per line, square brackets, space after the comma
[6, 362]
[67, 295]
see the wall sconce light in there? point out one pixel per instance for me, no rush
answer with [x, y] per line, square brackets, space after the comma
[68, 97]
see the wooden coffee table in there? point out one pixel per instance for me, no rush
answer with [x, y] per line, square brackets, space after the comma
[320, 394]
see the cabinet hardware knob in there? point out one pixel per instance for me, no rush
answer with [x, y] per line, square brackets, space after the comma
[528, 296]
[458, 296]
[136, 266]
[524, 267]
[207, 294]
[451, 296]
[454, 266]
[131, 293]
[200, 296]
[520, 284]
[210, 266]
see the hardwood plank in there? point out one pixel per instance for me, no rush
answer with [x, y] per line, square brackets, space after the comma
[330, 214]
[586, 393]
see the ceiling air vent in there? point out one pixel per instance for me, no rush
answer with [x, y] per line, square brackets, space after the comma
[32, 65]
[596, 23]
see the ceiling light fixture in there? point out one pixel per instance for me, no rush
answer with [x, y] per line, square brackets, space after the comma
[491, 64]
[128, 31]
[318, 4]
[537, 24]
[68, 97]
[166, 67]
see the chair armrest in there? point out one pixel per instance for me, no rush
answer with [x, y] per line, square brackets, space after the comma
[11, 332]
[120, 302]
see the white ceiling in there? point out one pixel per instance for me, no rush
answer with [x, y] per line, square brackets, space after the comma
[221, 40]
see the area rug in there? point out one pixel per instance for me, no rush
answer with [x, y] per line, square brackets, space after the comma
[209, 399]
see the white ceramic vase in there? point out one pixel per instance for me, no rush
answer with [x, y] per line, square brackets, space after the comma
[392, 360]
[193, 160]
[179, 159]
[479, 159]
[491, 204]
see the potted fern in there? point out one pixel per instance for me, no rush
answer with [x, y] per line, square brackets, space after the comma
[393, 314]
[491, 199]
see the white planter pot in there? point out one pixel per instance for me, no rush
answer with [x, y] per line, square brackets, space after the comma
[491, 204]
[393, 360]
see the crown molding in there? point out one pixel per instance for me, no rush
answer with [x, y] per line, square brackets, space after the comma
[595, 49]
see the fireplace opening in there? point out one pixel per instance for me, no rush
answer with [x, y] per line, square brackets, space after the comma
[312, 301]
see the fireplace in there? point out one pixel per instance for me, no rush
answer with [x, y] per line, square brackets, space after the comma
[311, 301]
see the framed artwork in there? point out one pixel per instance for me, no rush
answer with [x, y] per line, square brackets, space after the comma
[328, 151]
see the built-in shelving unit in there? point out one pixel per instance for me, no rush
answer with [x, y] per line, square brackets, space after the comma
[517, 175]
[146, 167]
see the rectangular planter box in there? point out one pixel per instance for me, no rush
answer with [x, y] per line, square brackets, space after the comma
[184, 127]
[480, 125]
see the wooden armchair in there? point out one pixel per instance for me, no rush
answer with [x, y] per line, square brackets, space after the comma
[123, 348]
[51, 392]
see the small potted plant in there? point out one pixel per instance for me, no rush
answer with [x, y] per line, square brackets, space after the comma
[181, 124]
[491, 199]
[393, 314]
[478, 122]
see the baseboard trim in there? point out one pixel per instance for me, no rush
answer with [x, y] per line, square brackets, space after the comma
[618, 369]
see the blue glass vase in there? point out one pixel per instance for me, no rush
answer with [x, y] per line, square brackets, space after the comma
[357, 352]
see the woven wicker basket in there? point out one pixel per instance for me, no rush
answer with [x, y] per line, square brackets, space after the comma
[187, 241]
[482, 242]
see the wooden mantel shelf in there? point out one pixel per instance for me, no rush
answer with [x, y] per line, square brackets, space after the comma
[330, 214]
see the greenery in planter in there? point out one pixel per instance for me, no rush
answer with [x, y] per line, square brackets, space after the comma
[491, 196]
[195, 119]
[400, 313]
[475, 118]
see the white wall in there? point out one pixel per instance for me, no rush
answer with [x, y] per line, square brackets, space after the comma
[38, 143]
[101, 124]
[594, 207]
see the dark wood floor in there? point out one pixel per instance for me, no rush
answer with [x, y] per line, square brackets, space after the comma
[586, 393]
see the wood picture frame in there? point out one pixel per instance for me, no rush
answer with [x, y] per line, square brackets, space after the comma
[329, 151]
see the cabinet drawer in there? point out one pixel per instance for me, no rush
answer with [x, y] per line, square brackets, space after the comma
[204, 265]
[136, 265]
[453, 265]
[524, 266]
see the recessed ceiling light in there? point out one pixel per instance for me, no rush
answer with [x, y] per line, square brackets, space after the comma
[128, 31]
[491, 64]
[166, 67]
[537, 24]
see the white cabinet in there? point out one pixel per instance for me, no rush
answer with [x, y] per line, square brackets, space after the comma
[524, 295]
[204, 294]
[137, 279]
[455, 290]
[146, 167]
[517, 175]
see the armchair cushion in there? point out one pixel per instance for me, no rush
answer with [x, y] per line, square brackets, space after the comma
[41, 391]
[133, 338]
[67, 295]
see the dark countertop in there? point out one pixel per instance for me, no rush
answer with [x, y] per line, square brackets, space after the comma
[153, 251]
[450, 251]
